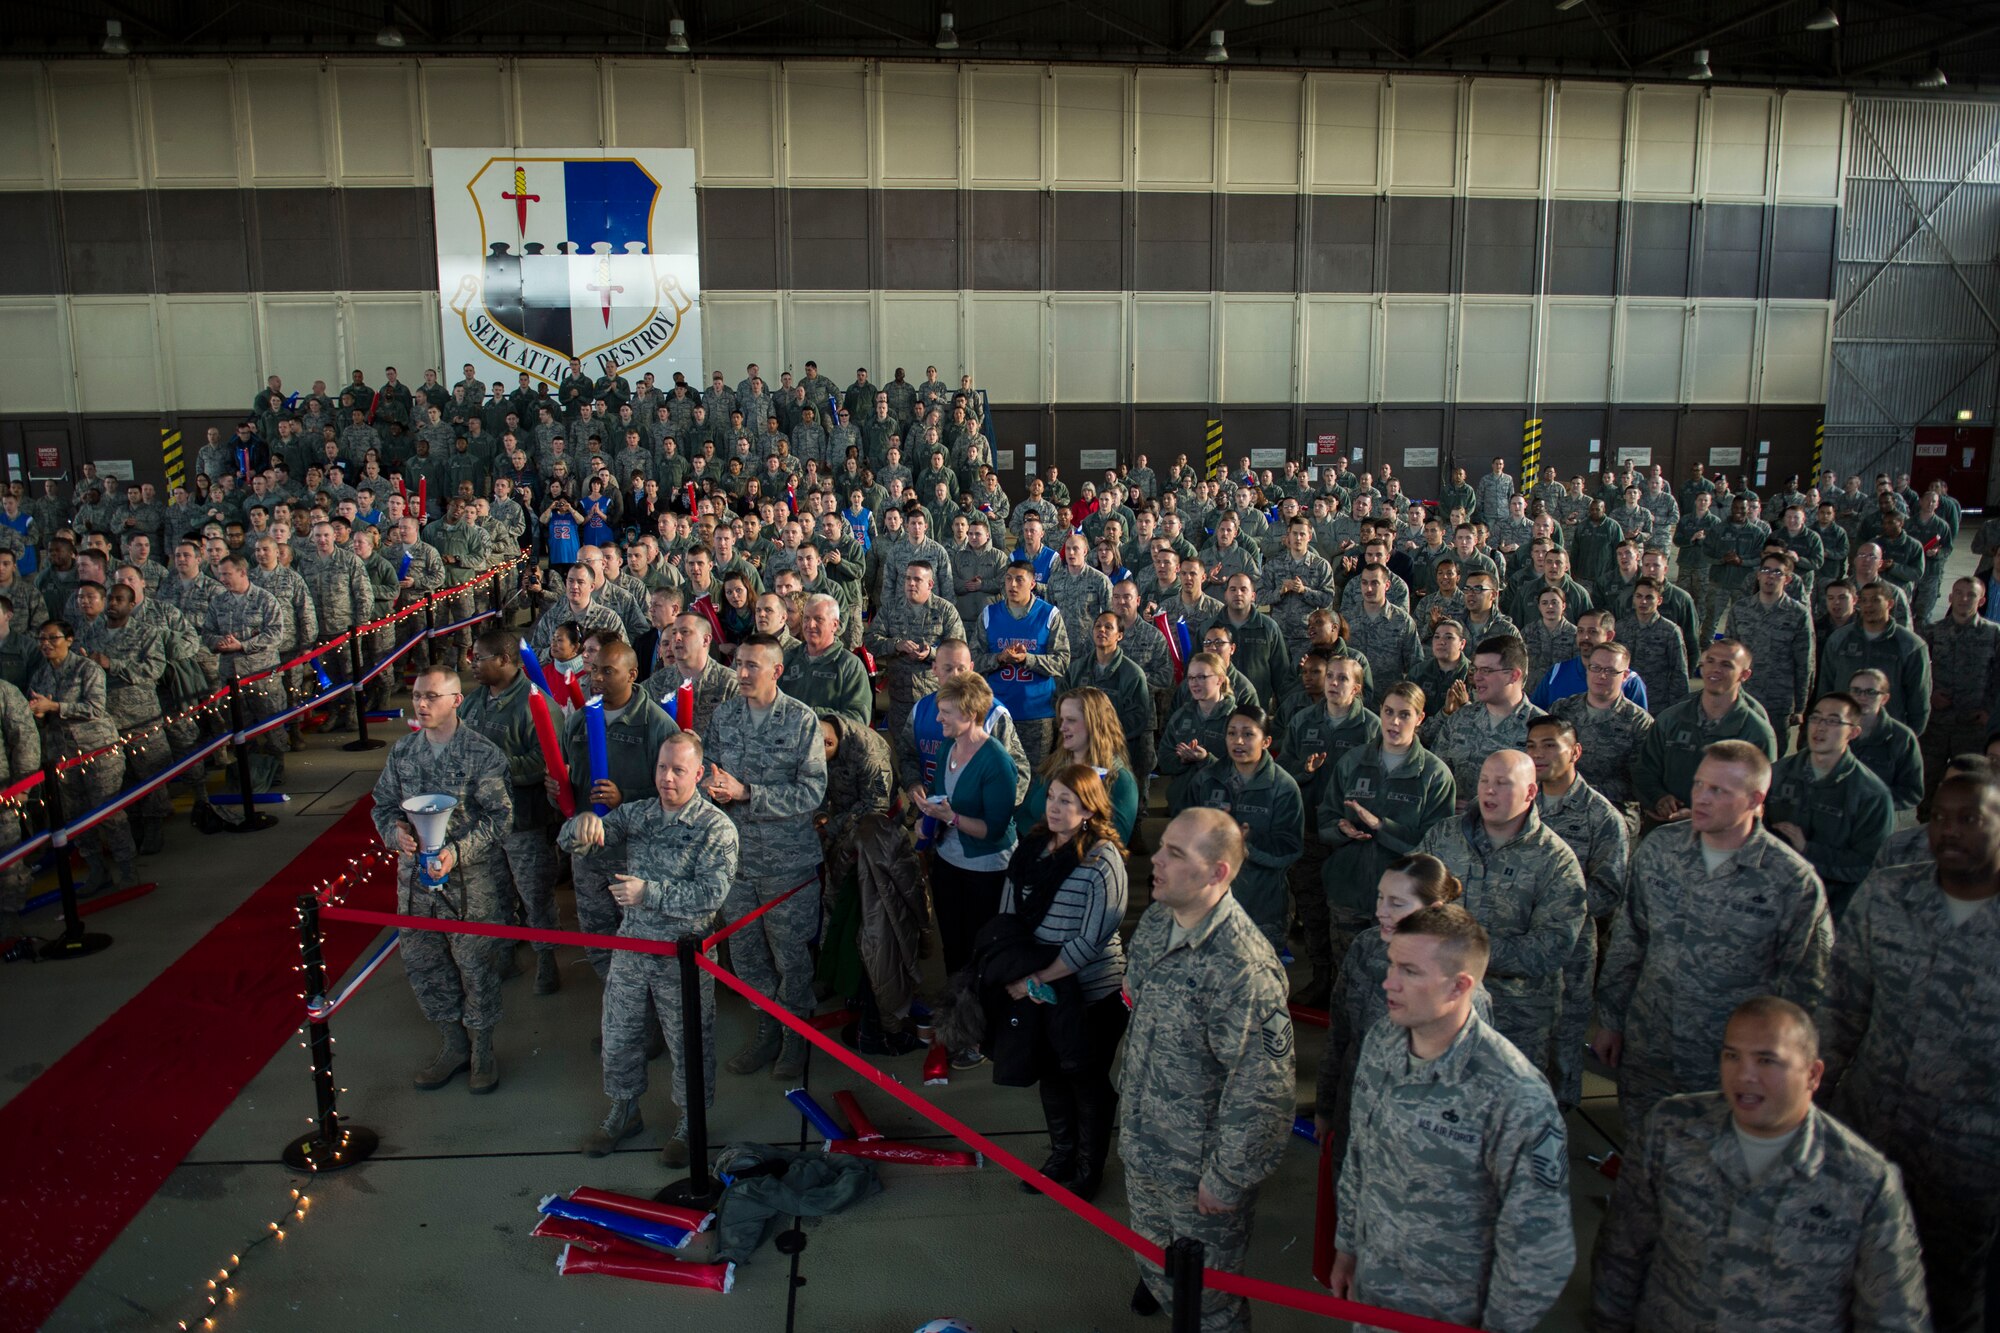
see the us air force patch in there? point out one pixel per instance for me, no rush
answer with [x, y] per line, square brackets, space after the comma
[1549, 1157]
[1277, 1030]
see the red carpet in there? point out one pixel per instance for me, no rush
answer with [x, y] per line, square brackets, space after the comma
[86, 1145]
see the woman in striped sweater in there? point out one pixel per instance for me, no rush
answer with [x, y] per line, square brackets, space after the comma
[1069, 871]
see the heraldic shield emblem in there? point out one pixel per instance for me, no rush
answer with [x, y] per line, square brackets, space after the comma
[577, 257]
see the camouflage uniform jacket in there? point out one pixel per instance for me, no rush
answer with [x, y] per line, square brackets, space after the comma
[782, 762]
[84, 721]
[1080, 595]
[1910, 1027]
[468, 767]
[301, 620]
[1693, 1242]
[686, 858]
[1689, 945]
[1595, 832]
[1472, 733]
[1454, 1195]
[135, 660]
[1660, 656]
[712, 684]
[1611, 737]
[1780, 640]
[339, 587]
[1529, 894]
[1291, 609]
[254, 617]
[1965, 662]
[1207, 1085]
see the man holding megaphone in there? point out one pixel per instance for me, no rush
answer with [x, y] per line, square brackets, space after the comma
[442, 805]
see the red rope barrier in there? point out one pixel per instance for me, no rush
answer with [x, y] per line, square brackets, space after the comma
[744, 920]
[665, 948]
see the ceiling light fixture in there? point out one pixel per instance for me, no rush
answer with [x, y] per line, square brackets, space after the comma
[1699, 70]
[947, 32]
[114, 39]
[1934, 79]
[390, 36]
[677, 37]
[1217, 52]
[1823, 20]
[1564, 6]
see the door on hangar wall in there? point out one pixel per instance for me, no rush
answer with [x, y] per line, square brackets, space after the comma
[1960, 456]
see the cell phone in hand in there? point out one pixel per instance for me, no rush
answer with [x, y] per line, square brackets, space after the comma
[1041, 992]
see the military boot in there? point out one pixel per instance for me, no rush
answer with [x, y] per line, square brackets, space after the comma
[620, 1124]
[548, 973]
[453, 1055]
[485, 1064]
[791, 1064]
[759, 1051]
[674, 1152]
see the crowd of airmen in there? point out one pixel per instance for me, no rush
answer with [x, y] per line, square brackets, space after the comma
[1533, 773]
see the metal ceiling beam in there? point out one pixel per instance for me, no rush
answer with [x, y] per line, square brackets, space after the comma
[1925, 49]
[1202, 28]
[1696, 43]
[1463, 26]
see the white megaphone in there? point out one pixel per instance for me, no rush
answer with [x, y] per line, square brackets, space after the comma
[429, 816]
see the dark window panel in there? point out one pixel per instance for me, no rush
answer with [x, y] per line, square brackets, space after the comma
[297, 240]
[1007, 238]
[390, 240]
[34, 264]
[1732, 248]
[829, 236]
[107, 242]
[1089, 242]
[202, 246]
[1175, 242]
[1500, 241]
[920, 240]
[1419, 244]
[1583, 247]
[1342, 255]
[1802, 242]
[739, 239]
[1658, 259]
[1260, 242]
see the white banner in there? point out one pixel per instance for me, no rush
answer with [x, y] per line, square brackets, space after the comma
[567, 254]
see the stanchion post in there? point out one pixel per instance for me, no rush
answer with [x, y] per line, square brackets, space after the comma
[430, 627]
[253, 819]
[700, 1189]
[355, 671]
[75, 942]
[332, 1145]
[1185, 1260]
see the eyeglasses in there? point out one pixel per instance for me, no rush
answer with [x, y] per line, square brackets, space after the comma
[1490, 670]
[428, 697]
[1861, 693]
[1215, 645]
[1596, 670]
[1828, 720]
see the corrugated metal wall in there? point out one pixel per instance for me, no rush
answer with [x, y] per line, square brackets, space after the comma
[1916, 336]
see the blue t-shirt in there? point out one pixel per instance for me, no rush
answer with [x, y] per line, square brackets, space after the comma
[1567, 677]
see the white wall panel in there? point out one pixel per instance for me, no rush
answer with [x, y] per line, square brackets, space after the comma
[1415, 351]
[1590, 139]
[1809, 136]
[375, 123]
[1664, 121]
[918, 331]
[299, 338]
[1089, 347]
[1652, 354]
[1257, 351]
[1004, 126]
[119, 370]
[467, 104]
[739, 329]
[1423, 135]
[558, 102]
[24, 127]
[1170, 346]
[287, 122]
[1506, 156]
[211, 345]
[97, 124]
[648, 100]
[397, 329]
[34, 342]
[1340, 351]
[1092, 138]
[1262, 132]
[1795, 353]
[920, 121]
[833, 330]
[1346, 131]
[1739, 144]
[826, 124]
[739, 122]
[1576, 365]
[1493, 351]
[191, 108]
[1007, 345]
[1725, 352]
[1176, 131]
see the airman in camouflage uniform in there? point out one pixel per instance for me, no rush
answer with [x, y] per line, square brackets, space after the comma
[684, 858]
[1965, 678]
[23, 743]
[1690, 944]
[1821, 1239]
[342, 598]
[1610, 738]
[1472, 733]
[1529, 894]
[1780, 639]
[1207, 1086]
[1910, 1031]
[768, 772]
[691, 663]
[133, 657]
[253, 621]
[456, 977]
[924, 623]
[1454, 1193]
[497, 708]
[592, 614]
[1291, 607]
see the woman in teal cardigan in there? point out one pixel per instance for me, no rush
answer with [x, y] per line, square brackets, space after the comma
[1087, 733]
[971, 797]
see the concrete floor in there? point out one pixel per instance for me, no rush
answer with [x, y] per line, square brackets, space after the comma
[433, 1231]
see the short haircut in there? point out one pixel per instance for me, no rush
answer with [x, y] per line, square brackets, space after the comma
[1513, 654]
[1844, 699]
[1464, 945]
[451, 673]
[688, 739]
[1776, 1009]
[1622, 651]
[1562, 726]
[504, 644]
[1217, 836]
[1745, 754]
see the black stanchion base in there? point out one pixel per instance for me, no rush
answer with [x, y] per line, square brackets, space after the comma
[253, 822]
[682, 1194]
[81, 945]
[370, 744]
[312, 1153]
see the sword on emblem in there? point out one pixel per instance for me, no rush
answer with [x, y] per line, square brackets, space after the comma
[521, 198]
[604, 287]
